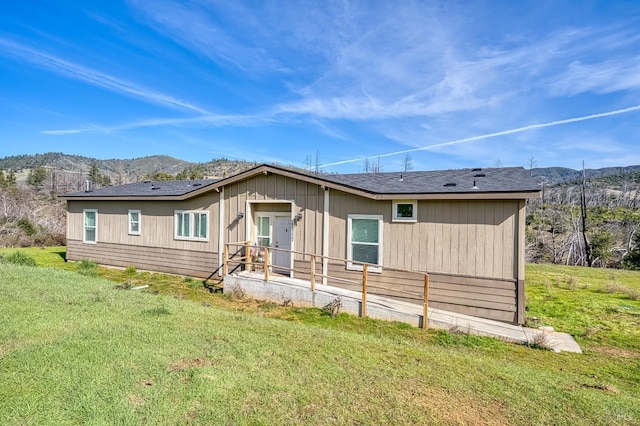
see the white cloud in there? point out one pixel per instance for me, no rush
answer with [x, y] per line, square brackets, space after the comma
[436, 146]
[205, 120]
[95, 78]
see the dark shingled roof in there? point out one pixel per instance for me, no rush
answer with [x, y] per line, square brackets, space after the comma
[491, 180]
[147, 189]
[507, 179]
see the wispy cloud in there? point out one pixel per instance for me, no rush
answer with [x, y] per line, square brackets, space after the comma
[492, 135]
[95, 78]
[604, 77]
[204, 120]
[199, 28]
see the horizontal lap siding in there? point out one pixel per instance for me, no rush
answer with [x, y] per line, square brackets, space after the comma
[174, 261]
[483, 297]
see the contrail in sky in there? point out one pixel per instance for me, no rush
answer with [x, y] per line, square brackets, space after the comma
[491, 135]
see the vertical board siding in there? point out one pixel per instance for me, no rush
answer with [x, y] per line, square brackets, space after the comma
[475, 238]
[300, 196]
[156, 225]
[450, 240]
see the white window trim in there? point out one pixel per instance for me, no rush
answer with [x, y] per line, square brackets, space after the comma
[191, 214]
[131, 231]
[84, 226]
[394, 213]
[358, 267]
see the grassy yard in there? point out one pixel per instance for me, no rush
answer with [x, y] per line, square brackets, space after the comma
[76, 349]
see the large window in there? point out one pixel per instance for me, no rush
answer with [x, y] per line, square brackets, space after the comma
[192, 225]
[364, 242]
[134, 222]
[405, 211]
[90, 225]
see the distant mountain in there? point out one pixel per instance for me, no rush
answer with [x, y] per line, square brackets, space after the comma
[556, 175]
[121, 171]
[131, 170]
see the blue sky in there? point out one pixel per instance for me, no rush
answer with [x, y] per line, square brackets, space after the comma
[454, 84]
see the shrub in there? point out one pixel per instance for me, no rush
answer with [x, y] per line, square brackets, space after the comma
[632, 259]
[19, 258]
[88, 268]
[130, 270]
[632, 293]
[27, 227]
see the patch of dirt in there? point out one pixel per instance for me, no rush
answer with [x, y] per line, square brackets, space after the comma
[135, 400]
[606, 388]
[190, 363]
[616, 352]
[456, 408]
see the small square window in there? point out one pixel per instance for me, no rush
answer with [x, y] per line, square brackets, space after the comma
[405, 211]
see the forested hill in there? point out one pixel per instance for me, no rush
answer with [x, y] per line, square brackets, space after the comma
[565, 175]
[132, 169]
[138, 168]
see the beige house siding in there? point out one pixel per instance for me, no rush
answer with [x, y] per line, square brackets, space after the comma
[474, 238]
[174, 261]
[275, 193]
[473, 250]
[155, 248]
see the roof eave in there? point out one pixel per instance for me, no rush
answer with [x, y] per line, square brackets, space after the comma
[497, 195]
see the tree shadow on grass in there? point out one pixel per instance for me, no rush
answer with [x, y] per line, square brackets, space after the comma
[62, 254]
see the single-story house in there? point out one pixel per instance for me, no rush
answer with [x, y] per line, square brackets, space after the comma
[465, 227]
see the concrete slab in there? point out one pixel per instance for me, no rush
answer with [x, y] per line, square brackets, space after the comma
[298, 292]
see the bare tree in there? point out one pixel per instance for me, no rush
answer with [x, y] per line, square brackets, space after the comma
[583, 216]
[532, 163]
[407, 163]
[367, 165]
[377, 167]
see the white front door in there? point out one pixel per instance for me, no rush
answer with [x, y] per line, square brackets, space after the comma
[282, 239]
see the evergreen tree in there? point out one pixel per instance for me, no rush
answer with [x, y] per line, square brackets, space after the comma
[632, 259]
[37, 176]
[11, 178]
[94, 173]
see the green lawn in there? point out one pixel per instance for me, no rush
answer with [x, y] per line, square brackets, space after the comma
[76, 350]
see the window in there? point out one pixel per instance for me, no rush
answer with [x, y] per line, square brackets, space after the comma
[192, 225]
[134, 222]
[90, 220]
[263, 231]
[364, 242]
[405, 211]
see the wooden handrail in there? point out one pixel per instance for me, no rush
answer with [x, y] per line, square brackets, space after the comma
[338, 259]
[246, 259]
[365, 274]
[425, 306]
